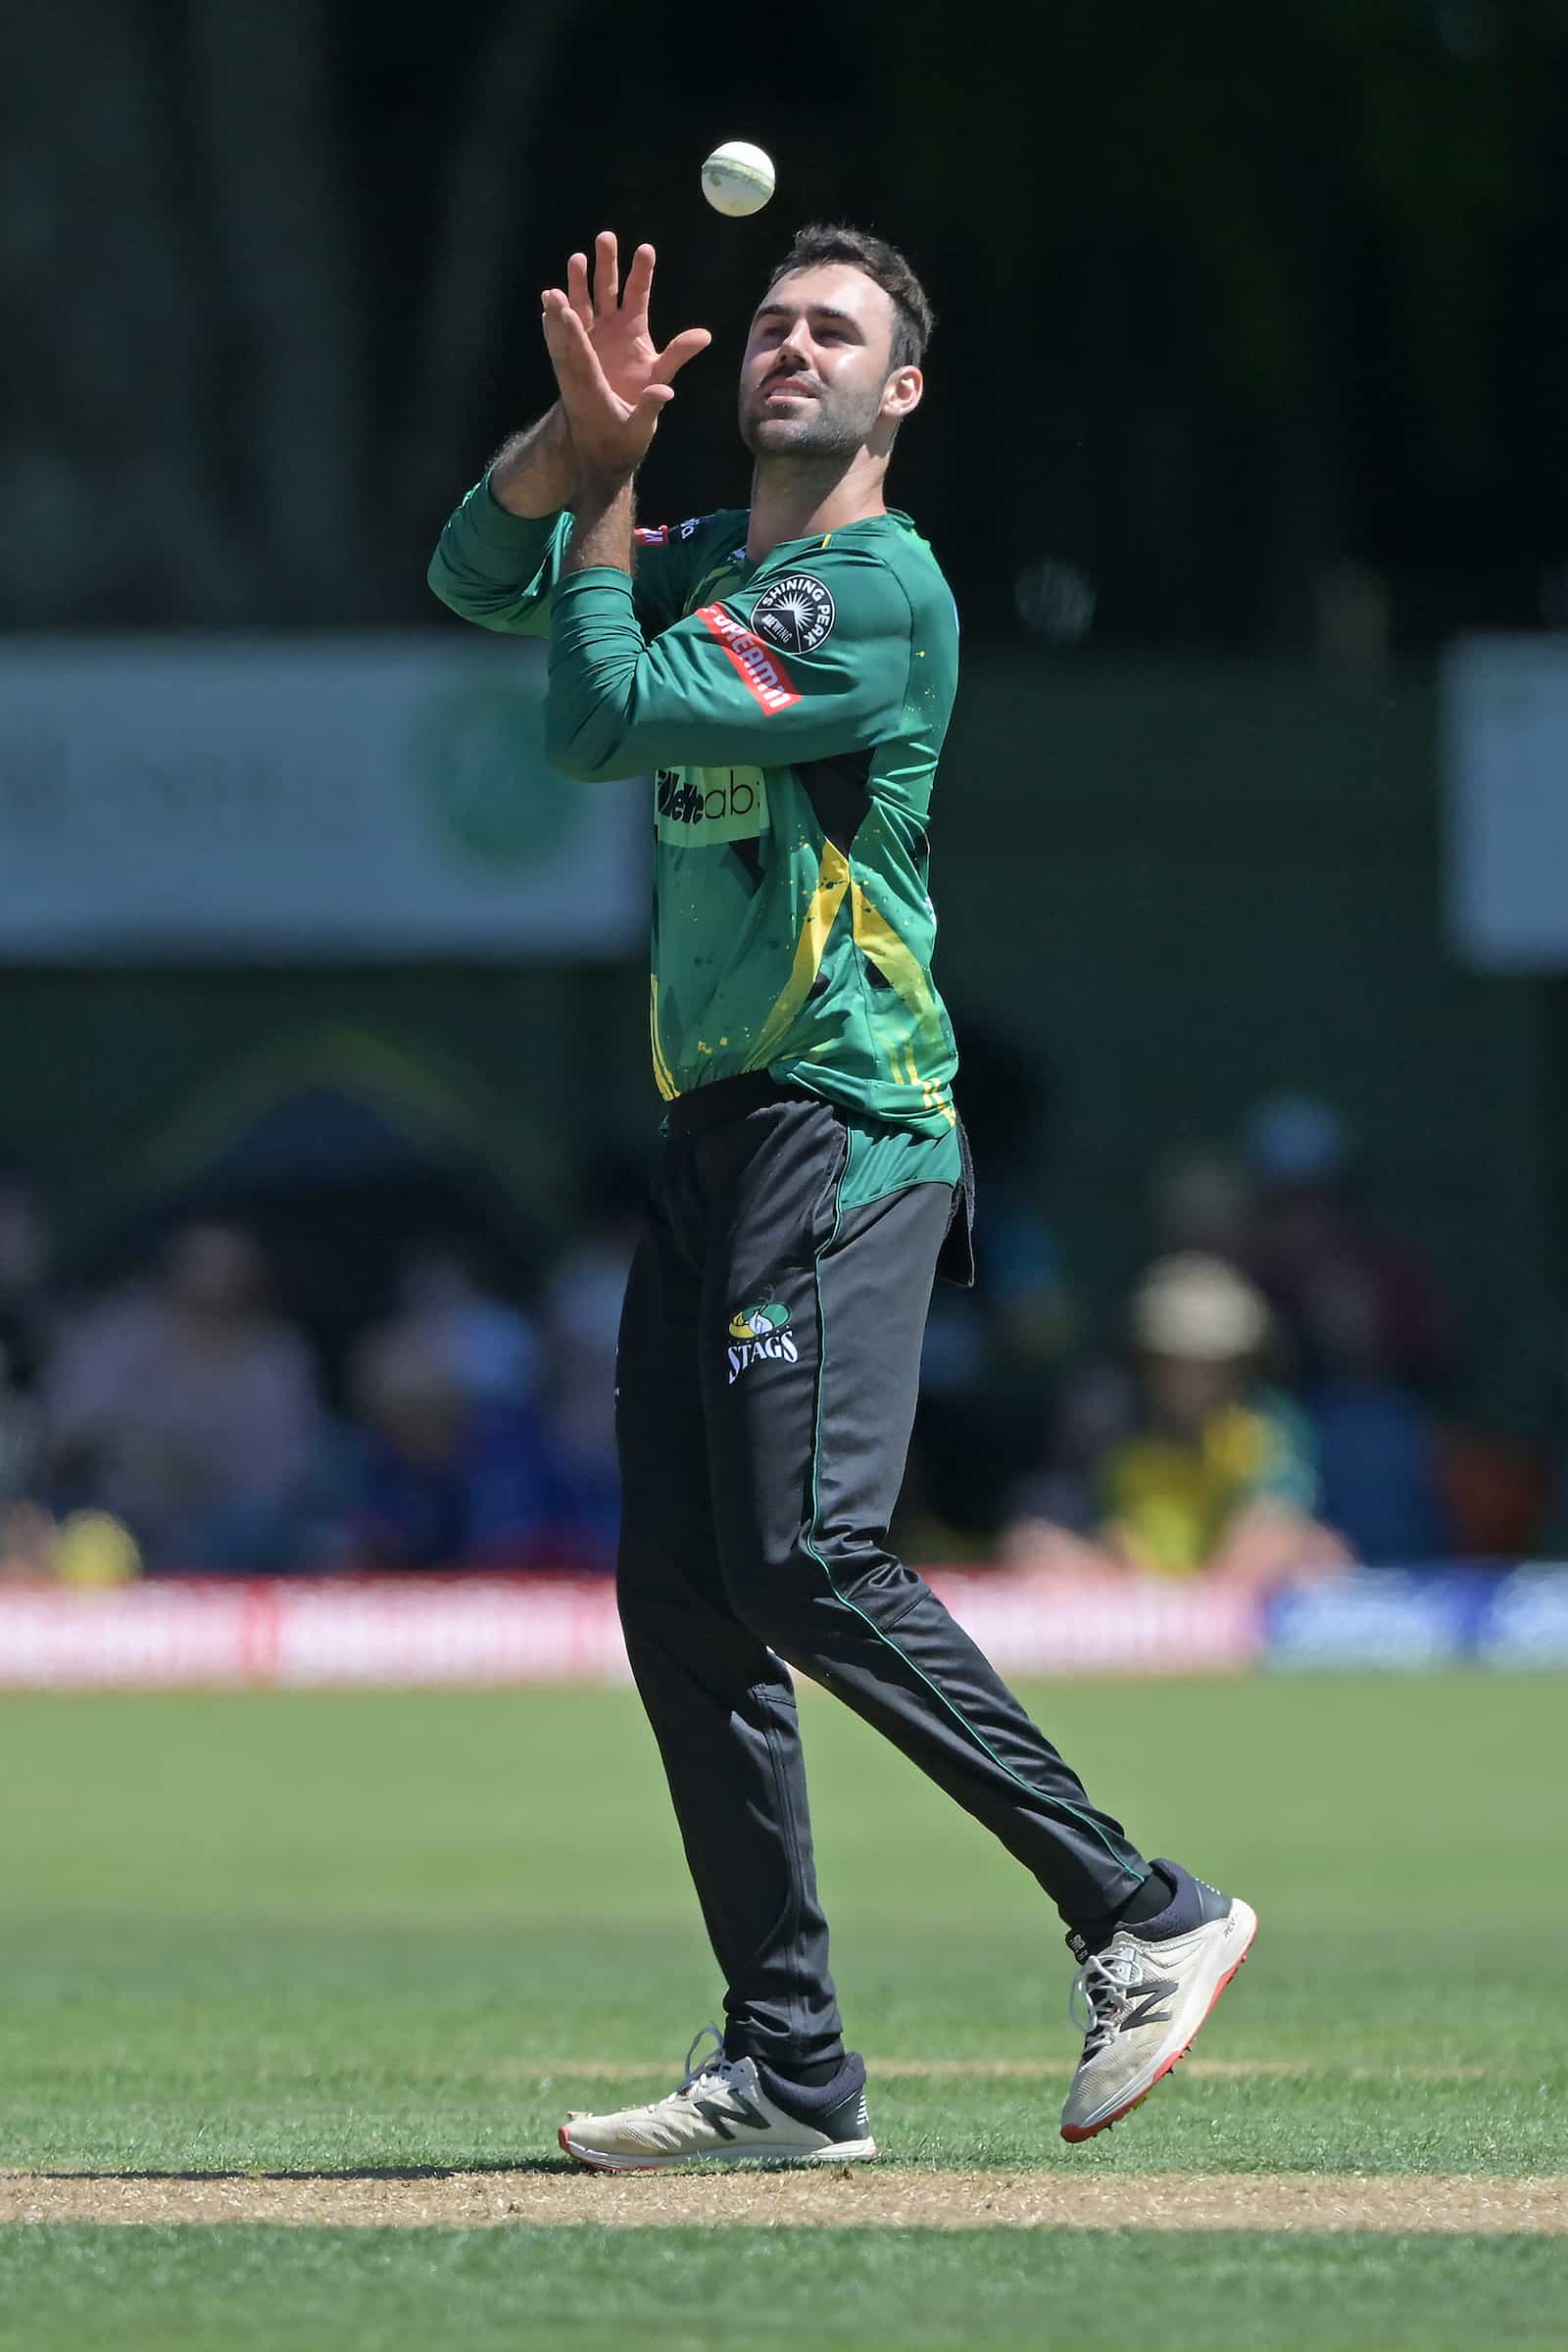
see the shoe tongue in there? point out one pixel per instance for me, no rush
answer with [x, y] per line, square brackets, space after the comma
[1078, 1944]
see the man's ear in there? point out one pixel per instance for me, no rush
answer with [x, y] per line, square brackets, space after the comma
[902, 395]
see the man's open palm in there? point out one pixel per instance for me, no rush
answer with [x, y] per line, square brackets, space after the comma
[613, 378]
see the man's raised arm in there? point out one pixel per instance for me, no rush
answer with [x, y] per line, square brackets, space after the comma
[499, 556]
[501, 553]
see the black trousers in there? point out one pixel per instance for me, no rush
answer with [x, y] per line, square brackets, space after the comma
[768, 1365]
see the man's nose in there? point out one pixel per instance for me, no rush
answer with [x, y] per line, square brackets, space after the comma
[796, 344]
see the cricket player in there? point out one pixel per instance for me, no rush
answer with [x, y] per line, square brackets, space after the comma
[785, 676]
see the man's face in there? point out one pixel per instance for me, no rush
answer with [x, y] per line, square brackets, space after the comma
[817, 377]
[1186, 1392]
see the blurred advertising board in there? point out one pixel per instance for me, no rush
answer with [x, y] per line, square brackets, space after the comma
[1410, 1619]
[395, 1632]
[1505, 784]
[321, 797]
[467, 1632]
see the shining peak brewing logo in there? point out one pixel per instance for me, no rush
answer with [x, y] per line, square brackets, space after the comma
[759, 1330]
[795, 613]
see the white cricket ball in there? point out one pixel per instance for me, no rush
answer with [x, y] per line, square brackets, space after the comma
[738, 179]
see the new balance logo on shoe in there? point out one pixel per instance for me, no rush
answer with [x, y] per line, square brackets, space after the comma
[1147, 2012]
[739, 2111]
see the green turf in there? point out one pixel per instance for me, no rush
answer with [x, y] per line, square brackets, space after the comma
[335, 1932]
[346, 2290]
[331, 1931]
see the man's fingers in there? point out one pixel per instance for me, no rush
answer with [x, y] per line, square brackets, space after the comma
[577, 293]
[607, 272]
[652, 398]
[572, 354]
[566, 335]
[638, 281]
[678, 351]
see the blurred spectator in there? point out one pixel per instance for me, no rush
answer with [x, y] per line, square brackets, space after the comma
[1201, 1198]
[28, 1544]
[26, 1304]
[1219, 1473]
[1497, 1496]
[188, 1408]
[27, 1533]
[992, 1353]
[1320, 1266]
[93, 1551]
[581, 1319]
[446, 1479]
[490, 1347]
[1376, 1440]
[18, 1412]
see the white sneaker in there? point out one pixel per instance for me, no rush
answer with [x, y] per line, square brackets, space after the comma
[719, 2115]
[1145, 2001]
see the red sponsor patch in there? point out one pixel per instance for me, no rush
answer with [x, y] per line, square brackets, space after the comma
[758, 665]
[659, 537]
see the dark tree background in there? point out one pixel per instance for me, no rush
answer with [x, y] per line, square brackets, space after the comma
[1254, 321]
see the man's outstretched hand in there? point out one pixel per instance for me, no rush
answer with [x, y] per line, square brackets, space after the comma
[613, 378]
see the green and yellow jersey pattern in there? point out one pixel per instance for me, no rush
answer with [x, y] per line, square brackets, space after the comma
[790, 713]
[1171, 1502]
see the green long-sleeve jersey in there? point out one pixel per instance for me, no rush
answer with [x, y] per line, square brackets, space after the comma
[791, 714]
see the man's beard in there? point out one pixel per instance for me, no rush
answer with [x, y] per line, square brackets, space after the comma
[820, 431]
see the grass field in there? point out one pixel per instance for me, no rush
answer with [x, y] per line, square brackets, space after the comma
[387, 1940]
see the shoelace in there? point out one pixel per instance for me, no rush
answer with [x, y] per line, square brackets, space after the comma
[716, 2067]
[1099, 1996]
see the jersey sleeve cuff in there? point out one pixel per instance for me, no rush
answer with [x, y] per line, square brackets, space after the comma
[592, 582]
[593, 612]
[526, 536]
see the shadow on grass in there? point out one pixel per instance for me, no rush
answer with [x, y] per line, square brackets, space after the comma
[371, 2171]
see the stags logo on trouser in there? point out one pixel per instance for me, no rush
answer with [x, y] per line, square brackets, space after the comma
[757, 1332]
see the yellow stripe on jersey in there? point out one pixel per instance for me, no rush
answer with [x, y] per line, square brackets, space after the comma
[875, 937]
[832, 882]
[661, 1077]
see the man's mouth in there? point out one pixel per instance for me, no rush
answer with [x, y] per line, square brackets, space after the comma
[787, 387]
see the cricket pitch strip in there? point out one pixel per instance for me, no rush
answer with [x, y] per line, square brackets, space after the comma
[884, 2196]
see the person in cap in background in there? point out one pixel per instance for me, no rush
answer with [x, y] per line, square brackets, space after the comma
[1221, 1475]
[1197, 1465]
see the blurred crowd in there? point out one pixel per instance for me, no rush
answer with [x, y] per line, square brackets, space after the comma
[1268, 1397]
[180, 1420]
[1271, 1396]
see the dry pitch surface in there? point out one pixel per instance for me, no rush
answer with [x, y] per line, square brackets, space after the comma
[847, 2198]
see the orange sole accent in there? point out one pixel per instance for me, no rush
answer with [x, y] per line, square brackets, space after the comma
[1081, 2132]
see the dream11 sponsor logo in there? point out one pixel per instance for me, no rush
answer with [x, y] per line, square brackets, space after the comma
[758, 1332]
[761, 671]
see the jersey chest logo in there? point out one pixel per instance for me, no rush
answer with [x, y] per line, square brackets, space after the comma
[697, 805]
[794, 613]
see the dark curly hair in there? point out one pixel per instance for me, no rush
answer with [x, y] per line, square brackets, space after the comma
[913, 316]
